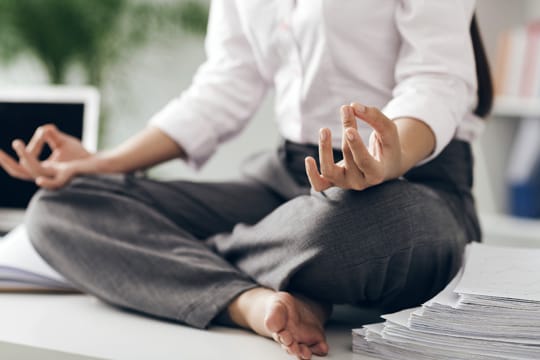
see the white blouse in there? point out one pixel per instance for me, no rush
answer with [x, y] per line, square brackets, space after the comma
[411, 58]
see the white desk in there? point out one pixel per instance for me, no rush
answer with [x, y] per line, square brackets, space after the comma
[78, 327]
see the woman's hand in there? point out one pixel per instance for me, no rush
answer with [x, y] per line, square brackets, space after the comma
[69, 158]
[57, 170]
[361, 166]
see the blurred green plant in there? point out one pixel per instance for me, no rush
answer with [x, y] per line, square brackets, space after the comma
[93, 33]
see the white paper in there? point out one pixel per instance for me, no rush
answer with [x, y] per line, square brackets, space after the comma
[19, 261]
[503, 272]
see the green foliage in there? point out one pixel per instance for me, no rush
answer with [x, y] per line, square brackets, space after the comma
[94, 33]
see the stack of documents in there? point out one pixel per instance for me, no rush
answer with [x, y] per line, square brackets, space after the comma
[490, 310]
[23, 269]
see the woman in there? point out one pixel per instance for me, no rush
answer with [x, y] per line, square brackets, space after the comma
[385, 225]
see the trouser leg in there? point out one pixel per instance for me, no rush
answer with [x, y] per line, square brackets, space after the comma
[393, 245]
[136, 243]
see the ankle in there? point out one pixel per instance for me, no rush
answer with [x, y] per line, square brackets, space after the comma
[247, 306]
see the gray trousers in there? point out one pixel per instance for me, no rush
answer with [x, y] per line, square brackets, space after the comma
[184, 250]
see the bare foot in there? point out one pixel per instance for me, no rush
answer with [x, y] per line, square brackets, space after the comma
[295, 322]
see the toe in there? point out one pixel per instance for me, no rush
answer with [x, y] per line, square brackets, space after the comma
[293, 349]
[285, 337]
[304, 351]
[320, 349]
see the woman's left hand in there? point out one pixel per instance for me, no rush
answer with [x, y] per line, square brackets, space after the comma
[361, 166]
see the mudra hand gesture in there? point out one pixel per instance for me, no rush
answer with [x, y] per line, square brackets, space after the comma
[361, 166]
[55, 171]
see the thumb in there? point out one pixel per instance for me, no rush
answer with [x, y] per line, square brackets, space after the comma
[53, 183]
[383, 126]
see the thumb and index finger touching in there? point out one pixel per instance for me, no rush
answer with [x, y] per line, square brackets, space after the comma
[383, 126]
[46, 134]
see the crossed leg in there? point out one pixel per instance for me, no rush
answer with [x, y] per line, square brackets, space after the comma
[391, 246]
[188, 251]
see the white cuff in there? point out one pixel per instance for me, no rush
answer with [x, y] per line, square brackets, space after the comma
[430, 110]
[196, 137]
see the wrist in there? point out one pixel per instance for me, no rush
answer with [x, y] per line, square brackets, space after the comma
[398, 169]
[93, 164]
[406, 163]
[417, 142]
[104, 162]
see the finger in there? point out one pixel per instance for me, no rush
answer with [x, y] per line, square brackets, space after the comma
[348, 118]
[30, 163]
[35, 145]
[318, 182]
[385, 127]
[13, 168]
[346, 115]
[50, 183]
[329, 170]
[326, 155]
[347, 154]
[44, 134]
[53, 136]
[362, 158]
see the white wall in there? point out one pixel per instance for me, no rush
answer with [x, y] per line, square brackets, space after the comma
[168, 69]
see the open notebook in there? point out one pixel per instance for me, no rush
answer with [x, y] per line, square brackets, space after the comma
[22, 269]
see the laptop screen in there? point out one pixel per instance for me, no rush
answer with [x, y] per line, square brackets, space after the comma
[19, 120]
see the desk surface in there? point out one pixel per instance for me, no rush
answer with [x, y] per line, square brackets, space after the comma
[77, 327]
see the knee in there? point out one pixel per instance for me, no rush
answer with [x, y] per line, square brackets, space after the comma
[51, 211]
[344, 220]
[377, 221]
[46, 217]
[40, 210]
[358, 239]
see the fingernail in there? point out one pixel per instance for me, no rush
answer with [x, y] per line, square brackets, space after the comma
[322, 134]
[350, 134]
[358, 107]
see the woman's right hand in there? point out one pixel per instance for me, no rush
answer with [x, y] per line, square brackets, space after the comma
[65, 161]
[69, 158]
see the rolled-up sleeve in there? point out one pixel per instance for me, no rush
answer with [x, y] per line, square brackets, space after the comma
[435, 71]
[224, 94]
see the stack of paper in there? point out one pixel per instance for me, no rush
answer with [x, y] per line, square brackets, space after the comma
[490, 310]
[22, 269]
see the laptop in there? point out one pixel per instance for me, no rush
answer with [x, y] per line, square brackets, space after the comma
[74, 110]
